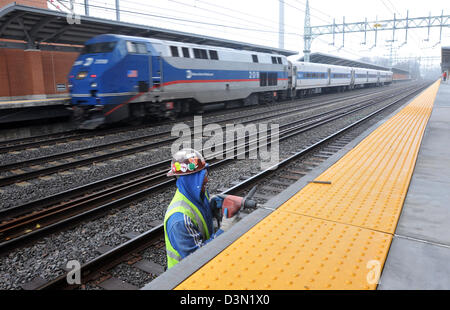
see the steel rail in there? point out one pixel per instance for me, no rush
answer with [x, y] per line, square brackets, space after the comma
[36, 224]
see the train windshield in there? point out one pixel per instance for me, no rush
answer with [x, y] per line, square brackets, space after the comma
[104, 47]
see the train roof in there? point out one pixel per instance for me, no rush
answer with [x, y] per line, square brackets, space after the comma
[333, 66]
[176, 43]
[47, 29]
[334, 60]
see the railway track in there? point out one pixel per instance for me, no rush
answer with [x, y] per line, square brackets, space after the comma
[143, 193]
[29, 169]
[96, 270]
[45, 215]
[64, 137]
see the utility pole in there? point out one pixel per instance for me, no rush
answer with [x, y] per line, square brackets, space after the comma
[117, 10]
[307, 34]
[86, 7]
[281, 27]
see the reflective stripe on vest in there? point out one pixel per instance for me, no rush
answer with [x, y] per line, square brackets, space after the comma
[182, 205]
[197, 221]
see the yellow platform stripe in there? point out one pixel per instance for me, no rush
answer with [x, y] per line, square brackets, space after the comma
[330, 236]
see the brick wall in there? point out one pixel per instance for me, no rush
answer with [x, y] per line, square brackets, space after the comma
[56, 66]
[33, 72]
[4, 76]
[35, 3]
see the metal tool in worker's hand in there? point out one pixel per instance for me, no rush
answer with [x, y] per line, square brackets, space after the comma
[233, 203]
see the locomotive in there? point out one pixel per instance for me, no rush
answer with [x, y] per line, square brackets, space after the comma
[123, 78]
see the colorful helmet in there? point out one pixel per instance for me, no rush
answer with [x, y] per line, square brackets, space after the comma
[186, 161]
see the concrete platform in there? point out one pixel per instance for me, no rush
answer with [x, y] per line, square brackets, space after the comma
[12, 111]
[17, 104]
[419, 257]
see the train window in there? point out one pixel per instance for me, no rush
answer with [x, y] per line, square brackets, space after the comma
[131, 47]
[141, 48]
[104, 47]
[174, 51]
[255, 58]
[263, 79]
[213, 55]
[200, 53]
[186, 52]
[279, 60]
[274, 60]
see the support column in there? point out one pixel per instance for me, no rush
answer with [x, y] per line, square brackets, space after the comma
[281, 27]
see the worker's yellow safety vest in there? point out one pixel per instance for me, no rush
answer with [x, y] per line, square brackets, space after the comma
[181, 204]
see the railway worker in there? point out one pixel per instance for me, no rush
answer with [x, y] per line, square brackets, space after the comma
[188, 223]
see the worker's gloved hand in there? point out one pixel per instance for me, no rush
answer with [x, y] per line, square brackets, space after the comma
[216, 202]
[228, 222]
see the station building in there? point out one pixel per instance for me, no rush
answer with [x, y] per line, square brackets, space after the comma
[27, 72]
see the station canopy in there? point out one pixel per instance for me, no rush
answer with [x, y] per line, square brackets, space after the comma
[338, 61]
[49, 30]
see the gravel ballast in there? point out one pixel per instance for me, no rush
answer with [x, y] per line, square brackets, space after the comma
[46, 257]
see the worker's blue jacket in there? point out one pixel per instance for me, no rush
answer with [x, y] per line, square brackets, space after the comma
[184, 235]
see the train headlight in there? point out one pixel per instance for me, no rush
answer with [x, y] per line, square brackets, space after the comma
[81, 75]
[94, 85]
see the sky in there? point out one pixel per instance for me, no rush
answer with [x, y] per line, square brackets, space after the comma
[257, 22]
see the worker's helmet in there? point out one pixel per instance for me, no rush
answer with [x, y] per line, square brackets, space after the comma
[186, 161]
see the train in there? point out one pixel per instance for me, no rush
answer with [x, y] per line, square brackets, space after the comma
[119, 78]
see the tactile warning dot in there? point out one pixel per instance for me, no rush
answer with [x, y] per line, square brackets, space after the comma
[303, 262]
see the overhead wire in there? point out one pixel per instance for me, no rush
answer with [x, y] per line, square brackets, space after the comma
[245, 14]
[128, 11]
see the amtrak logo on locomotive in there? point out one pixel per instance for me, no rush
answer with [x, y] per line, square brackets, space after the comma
[190, 74]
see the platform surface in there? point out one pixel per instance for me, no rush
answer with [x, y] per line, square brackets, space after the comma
[333, 236]
[419, 257]
[17, 104]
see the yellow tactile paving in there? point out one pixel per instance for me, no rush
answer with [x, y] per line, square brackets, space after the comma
[369, 184]
[291, 251]
[333, 236]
